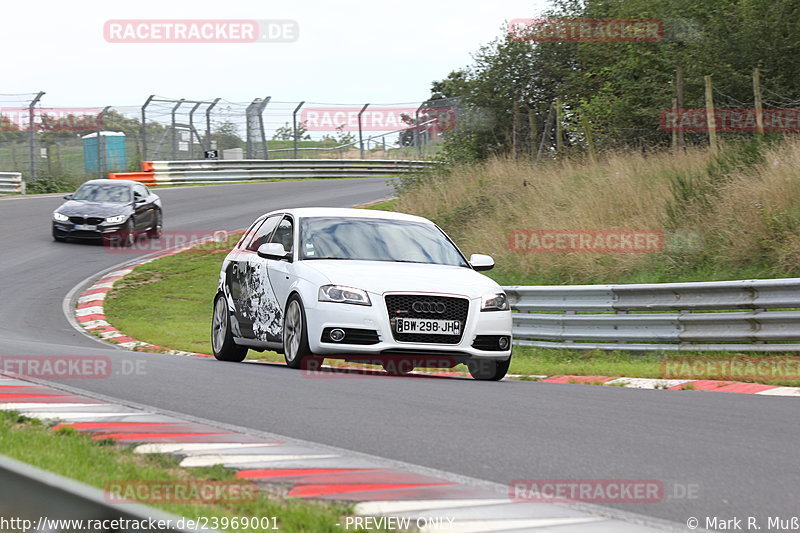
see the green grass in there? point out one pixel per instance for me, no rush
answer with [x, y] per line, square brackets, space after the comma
[180, 288]
[71, 454]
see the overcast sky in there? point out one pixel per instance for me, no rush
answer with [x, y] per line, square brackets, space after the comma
[348, 51]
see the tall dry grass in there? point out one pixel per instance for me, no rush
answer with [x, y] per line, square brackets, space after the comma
[724, 216]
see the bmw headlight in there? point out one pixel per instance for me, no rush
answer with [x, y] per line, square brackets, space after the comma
[61, 218]
[495, 302]
[343, 295]
[119, 219]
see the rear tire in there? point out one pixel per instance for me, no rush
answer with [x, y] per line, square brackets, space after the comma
[295, 337]
[488, 369]
[221, 336]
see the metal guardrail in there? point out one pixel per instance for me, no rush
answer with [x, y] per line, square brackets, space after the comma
[11, 183]
[32, 494]
[229, 171]
[747, 315]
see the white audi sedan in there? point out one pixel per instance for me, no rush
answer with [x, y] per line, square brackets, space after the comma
[365, 286]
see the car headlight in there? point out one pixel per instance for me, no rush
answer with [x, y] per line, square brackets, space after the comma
[116, 220]
[495, 302]
[343, 295]
[60, 217]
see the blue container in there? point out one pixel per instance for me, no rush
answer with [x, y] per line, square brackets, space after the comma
[116, 154]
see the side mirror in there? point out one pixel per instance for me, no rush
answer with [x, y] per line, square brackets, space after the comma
[67, 197]
[481, 262]
[273, 250]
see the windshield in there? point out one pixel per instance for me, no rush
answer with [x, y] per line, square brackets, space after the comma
[118, 194]
[369, 239]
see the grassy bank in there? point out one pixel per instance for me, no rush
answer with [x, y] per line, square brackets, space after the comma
[69, 453]
[734, 215]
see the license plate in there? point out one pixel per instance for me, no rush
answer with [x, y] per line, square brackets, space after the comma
[85, 227]
[428, 326]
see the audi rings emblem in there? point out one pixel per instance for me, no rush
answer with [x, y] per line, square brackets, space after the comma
[428, 307]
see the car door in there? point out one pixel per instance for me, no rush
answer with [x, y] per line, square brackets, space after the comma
[143, 208]
[282, 272]
[249, 285]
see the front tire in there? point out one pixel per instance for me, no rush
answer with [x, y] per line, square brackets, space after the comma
[221, 336]
[155, 231]
[295, 336]
[488, 369]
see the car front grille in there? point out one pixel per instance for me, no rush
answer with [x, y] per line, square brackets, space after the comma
[440, 308]
[94, 221]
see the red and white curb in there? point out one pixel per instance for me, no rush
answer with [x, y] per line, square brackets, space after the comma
[90, 314]
[300, 470]
[679, 384]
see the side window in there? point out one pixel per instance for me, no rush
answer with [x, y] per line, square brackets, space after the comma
[262, 234]
[139, 191]
[284, 234]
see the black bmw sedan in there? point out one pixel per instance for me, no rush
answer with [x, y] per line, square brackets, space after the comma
[115, 211]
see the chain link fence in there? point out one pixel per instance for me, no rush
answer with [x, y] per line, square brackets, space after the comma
[73, 144]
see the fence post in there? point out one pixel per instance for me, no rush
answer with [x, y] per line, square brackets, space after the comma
[101, 144]
[559, 126]
[144, 126]
[294, 125]
[679, 103]
[32, 133]
[208, 123]
[757, 98]
[360, 136]
[587, 132]
[174, 130]
[674, 126]
[711, 119]
[532, 126]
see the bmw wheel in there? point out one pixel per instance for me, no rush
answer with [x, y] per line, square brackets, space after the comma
[295, 336]
[221, 337]
[155, 231]
[488, 369]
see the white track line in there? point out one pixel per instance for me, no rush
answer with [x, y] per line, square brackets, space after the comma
[173, 447]
[212, 460]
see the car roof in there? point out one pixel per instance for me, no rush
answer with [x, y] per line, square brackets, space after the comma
[99, 181]
[344, 212]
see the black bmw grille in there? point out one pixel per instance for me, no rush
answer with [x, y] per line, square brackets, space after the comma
[402, 305]
[86, 220]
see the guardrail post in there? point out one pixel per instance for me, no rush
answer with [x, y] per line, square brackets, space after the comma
[360, 137]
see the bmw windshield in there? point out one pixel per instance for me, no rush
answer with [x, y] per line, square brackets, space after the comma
[371, 239]
[117, 194]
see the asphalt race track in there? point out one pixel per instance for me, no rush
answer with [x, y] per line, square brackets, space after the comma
[739, 451]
